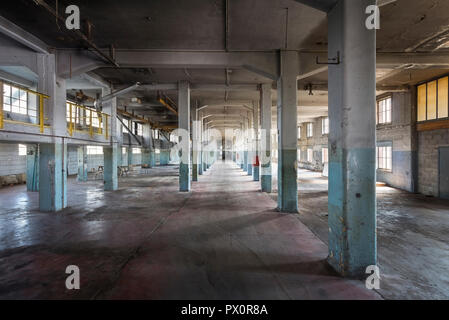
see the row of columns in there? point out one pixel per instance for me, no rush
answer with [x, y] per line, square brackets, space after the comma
[352, 195]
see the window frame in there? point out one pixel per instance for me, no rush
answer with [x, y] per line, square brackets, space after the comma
[94, 150]
[378, 101]
[324, 127]
[21, 147]
[323, 161]
[310, 152]
[309, 134]
[384, 144]
[426, 83]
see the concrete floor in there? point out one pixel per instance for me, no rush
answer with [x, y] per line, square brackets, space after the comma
[224, 240]
[413, 237]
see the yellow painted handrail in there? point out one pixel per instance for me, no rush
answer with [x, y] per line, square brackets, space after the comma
[102, 118]
[41, 98]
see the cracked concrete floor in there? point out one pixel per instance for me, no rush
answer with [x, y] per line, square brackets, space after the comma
[413, 237]
[224, 240]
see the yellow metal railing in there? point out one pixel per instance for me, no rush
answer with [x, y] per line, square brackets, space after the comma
[23, 104]
[87, 120]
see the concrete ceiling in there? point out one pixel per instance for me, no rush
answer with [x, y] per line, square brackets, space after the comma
[236, 26]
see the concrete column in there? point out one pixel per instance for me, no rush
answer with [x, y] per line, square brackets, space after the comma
[184, 124]
[288, 136]
[164, 157]
[130, 157]
[53, 156]
[250, 146]
[119, 137]
[82, 163]
[352, 163]
[52, 176]
[32, 168]
[195, 143]
[110, 152]
[110, 168]
[147, 148]
[265, 153]
[256, 164]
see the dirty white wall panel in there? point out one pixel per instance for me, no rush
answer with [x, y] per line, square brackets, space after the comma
[10, 161]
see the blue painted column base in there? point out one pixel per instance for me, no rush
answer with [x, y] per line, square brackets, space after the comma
[266, 177]
[32, 174]
[110, 168]
[288, 181]
[256, 173]
[164, 158]
[146, 157]
[52, 177]
[153, 159]
[352, 211]
[184, 177]
[82, 164]
[249, 169]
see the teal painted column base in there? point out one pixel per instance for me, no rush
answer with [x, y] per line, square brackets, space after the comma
[164, 158]
[130, 158]
[153, 159]
[249, 169]
[146, 157]
[266, 177]
[82, 164]
[52, 177]
[352, 211]
[288, 181]
[32, 173]
[266, 183]
[195, 170]
[184, 177]
[110, 168]
[256, 173]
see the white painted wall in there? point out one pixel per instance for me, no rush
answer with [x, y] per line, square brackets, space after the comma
[10, 161]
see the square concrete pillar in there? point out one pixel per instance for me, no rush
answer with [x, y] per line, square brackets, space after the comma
[352, 140]
[288, 134]
[130, 157]
[265, 145]
[110, 167]
[52, 176]
[255, 159]
[184, 125]
[82, 163]
[32, 168]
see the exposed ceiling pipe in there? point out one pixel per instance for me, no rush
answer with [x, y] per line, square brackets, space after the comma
[117, 93]
[81, 35]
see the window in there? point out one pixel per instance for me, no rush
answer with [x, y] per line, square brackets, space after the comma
[15, 100]
[139, 129]
[309, 155]
[309, 130]
[157, 151]
[324, 155]
[136, 151]
[127, 124]
[93, 150]
[384, 111]
[299, 132]
[22, 150]
[385, 157]
[123, 150]
[325, 126]
[433, 100]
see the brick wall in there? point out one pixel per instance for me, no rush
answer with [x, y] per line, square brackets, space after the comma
[10, 161]
[429, 142]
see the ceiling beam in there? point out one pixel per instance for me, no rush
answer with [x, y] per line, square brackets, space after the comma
[27, 39]
[263, 63]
